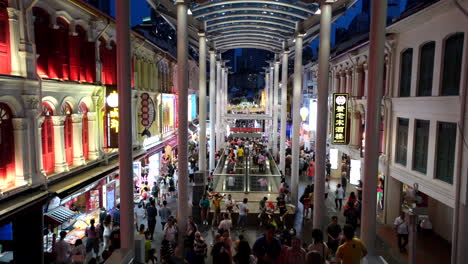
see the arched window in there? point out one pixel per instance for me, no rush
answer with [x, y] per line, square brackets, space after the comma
[41, 36]
[426, 69]
[108, 60]
[5, 55]
[453, 55]
[47, 137]
[405, 72]
[68, 133]
[85, 132]
[62, 49]
[7, 147]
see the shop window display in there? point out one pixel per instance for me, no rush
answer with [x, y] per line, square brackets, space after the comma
[7, 155]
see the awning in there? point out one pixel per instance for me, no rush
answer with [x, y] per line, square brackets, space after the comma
[20, 202]
[59, 215]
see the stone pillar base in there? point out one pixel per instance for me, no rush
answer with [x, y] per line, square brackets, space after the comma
[61, 167]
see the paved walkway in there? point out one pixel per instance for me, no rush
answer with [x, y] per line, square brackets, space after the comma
[430, 248]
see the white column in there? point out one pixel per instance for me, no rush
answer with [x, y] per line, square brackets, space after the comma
[134, 114]
[182, 84]
[271, 86]
[218, 105]
[371, 155]
[14, 42]
[354, 133]
[202, 102]
[359, 76]
[336, 83]
[319, 212]
[284, 109]
[77, 125]
[212, 108]
[342, 82]
[127, 227]
[20, 136]
[349, 81]
[59, 144]
[297, 99]
[267, 92]
[275, 111]
[93, 147]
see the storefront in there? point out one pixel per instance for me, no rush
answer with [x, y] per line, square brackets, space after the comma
[73, 213]
[167, 109]
[192, 107]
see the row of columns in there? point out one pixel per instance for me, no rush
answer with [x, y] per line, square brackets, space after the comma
[372, 129]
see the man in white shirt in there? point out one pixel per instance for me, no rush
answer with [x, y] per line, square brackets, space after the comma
[62, 249]
[170, 232]
[230, 203]
[243, 212]
[226, 224]
[401, 227]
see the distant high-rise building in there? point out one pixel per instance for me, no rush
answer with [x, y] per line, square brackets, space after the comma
[103, 5]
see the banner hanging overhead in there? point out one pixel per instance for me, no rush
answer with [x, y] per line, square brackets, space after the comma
[340, 118]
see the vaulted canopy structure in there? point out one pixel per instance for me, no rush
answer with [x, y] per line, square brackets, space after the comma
[267, 25]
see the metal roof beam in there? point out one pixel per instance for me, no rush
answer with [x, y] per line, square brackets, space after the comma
[201, 7]
[257, 46]
[252, 39]
[250, 21]
[231, 35]
[252, 31]
[268, 10]
[286, 20]
[253, 27]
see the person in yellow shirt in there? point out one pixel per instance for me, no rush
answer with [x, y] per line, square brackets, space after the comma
[240, 154]
[217, 208]
[353, 250]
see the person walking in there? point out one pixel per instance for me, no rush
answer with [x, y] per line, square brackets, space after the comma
[351, 215]
[204, 205]
[333, 233]
[92, 241]
[226, 223]
[244, 253]
[318, 245]
[339, 195]
[151, 213]
[217, 208]
[295, 254]
[78, 252]
[352, 250]
[401, 227]
[107, 231]
[164, 214]
[243, 212]
[267, 248]
[170, 232]
[62, 250]
[199, 249]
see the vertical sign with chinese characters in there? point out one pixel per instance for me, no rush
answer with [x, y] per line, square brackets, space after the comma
[111, 117]
[340, 118]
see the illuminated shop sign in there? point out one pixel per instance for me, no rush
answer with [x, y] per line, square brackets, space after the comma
[111, 117]
[340, 118]
[148, 113]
